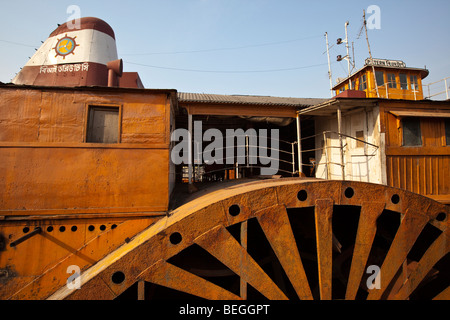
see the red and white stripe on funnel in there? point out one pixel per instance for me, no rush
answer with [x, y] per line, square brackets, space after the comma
[72, 57]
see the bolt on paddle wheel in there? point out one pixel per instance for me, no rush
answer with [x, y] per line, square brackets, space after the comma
[284, 239]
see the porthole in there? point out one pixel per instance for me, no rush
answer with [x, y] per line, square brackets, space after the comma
[302, 195]
[395, 199]
[118, 277]
[175, 238]
[234, 210]
[441, 216]
[349, 193]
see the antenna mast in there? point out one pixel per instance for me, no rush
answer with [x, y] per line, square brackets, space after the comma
[353, 54]
[348, 56]
[370, 54]
[329, 66]
[340, 58]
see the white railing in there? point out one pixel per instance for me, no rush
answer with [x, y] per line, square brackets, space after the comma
[287, 160]
[439, 89]
[247, 164]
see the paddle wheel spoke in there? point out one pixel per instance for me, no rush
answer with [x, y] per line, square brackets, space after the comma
[285, 240]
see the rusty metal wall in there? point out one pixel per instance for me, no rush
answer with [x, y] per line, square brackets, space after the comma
[46, 164]
[65, 202]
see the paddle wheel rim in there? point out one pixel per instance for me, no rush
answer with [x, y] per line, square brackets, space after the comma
[207, 222]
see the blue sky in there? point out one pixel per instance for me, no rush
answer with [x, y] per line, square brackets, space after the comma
[249, 47]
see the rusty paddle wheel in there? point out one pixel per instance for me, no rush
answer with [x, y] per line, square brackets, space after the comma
[284, 239]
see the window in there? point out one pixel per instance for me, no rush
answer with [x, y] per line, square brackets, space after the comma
[414, 83]
[412, 135]
[360, 136]
[447, 131]
[403, 81]
[379, 76]
[103, 124]
[391, 80]
[362, 83]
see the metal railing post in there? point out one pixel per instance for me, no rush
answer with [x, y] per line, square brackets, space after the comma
[190, 148]
[293, 158]
[446, 87]
[341, 146]
[299, 146]
[325, 146]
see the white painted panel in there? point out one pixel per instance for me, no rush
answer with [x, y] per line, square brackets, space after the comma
[92, 46]
[361, 164]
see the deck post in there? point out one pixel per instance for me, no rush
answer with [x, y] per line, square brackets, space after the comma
[341, 146]
[190, 148]
[299, 146]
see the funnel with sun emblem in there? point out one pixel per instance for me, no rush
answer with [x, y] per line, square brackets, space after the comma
[72, 57]
[65, 46]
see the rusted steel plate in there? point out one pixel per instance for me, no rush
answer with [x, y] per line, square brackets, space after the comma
[367, 227]
[410, 228]
[244, 241]
[275, 224]
[324, 239]
[435, 252]
[81, 248]
[221, 244]
[170, 276]
[444, 295]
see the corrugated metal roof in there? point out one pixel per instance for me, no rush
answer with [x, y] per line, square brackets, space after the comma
[247, 99]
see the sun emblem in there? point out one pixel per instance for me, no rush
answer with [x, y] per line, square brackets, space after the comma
[65, 46]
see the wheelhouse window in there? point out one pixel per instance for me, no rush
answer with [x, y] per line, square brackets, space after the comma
[362, 83]
[103, 124]
[414, 83]
[391, 80]
[379, 76]
[412, 134]
[403, 81]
